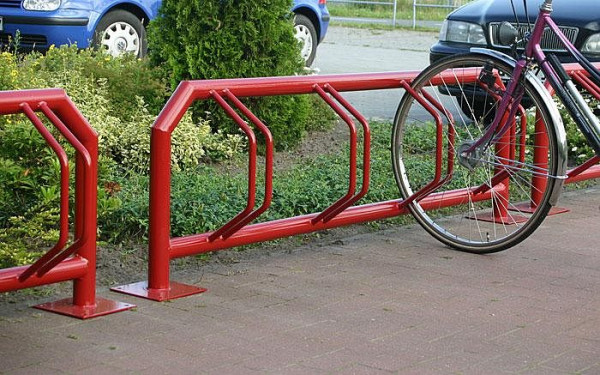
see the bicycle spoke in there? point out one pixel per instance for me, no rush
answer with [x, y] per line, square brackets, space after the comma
[493, 177]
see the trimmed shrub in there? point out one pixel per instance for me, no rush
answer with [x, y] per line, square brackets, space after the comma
[211, 39]
[113, 94]
[579, 150]
[29, 170]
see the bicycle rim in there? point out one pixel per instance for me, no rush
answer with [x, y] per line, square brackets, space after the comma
[496, 198]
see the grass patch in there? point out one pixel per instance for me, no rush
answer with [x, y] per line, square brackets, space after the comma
[382, 26]
[205, 199]
[404, 10]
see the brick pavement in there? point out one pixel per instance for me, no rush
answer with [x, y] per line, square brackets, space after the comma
[394, 301]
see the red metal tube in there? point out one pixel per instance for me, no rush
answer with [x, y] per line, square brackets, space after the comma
[502, 149]
[54, 267]
[189, 91]
[64, 192]
[11, 101]
[366, 153]
[85, 140]
[55, 256]
[540, 159]
[251, 168]
[345, 201]
[268, 164]
[160, 209]
[586, 171]
[196, 244]
[162, 248]
[451, 132]
[587, 84]
[439, 139]
[69, 269]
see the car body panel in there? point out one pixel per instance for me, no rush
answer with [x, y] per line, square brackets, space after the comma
[317, 12]
[74, 21]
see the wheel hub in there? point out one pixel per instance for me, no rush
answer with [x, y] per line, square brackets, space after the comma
[302, 34]
[469, 159]
[120, 38]
[121, 45]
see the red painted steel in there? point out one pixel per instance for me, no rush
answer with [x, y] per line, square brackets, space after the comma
[73, 268]
[586, 171]
[591, 168]
[428, 102]
[251, 167]
[64, 188]
[268, 166]
[366, 153]
[587, 84]
[76, 262]
[163, 248]
[189, 91]
[197, 244]
[345, 201]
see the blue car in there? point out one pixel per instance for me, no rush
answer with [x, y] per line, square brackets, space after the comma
[118, 26]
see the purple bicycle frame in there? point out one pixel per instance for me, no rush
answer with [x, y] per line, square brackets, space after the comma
[514, 92]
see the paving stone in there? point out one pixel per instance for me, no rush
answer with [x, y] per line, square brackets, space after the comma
[394, 301]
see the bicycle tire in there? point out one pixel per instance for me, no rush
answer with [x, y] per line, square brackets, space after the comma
[510, 213]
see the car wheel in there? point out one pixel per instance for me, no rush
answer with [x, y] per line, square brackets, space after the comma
[120, 32]
[306, 34]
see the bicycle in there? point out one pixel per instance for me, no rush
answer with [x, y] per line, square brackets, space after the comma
[482, 131]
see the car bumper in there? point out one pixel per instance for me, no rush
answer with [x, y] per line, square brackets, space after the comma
[40, 30]
[443, 49]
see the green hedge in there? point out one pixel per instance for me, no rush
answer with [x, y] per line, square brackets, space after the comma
[211, 39]
[119, 97]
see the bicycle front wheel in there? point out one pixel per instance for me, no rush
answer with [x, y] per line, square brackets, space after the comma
[499, 195]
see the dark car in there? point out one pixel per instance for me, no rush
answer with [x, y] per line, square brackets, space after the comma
[475, 25]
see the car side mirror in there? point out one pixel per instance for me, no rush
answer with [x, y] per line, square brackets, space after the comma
[507, 34]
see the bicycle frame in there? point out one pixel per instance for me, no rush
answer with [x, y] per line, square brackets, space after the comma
[560, 81]
[556, 76]
[496, 147]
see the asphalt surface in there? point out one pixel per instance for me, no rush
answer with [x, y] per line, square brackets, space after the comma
[354, 50]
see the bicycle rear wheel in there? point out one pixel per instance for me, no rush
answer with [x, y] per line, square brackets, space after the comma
[495, 199]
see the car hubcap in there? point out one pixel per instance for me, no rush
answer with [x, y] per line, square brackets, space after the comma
[302, 34]
[120, 38]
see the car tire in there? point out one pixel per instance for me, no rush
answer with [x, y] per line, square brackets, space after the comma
[120, 32]
[306, 34]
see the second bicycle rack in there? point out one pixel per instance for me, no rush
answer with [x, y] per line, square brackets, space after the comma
[63, 262]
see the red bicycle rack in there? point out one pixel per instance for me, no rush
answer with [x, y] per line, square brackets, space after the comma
[77, 261]
[237, 232]
[589, 169]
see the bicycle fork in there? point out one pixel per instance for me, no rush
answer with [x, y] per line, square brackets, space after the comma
[470, 153]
